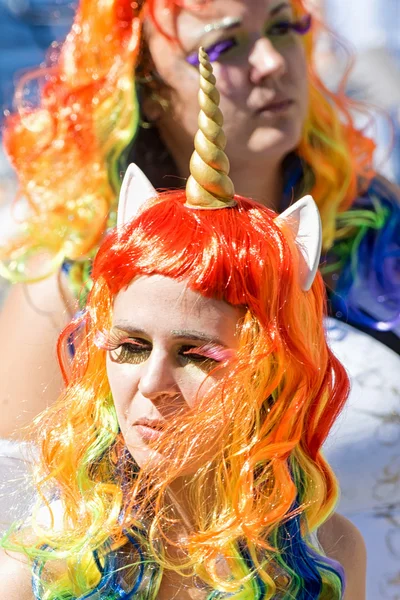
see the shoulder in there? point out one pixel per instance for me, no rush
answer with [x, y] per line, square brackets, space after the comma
[343, 542]
[48, 299]
[15, 576]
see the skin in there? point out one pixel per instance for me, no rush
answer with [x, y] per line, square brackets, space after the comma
[156, 379]
[264, 68]
[31, 320]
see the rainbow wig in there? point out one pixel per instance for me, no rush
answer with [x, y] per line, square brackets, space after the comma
[277, 401]
[69, 151]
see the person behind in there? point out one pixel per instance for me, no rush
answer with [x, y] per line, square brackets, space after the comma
[185, 452]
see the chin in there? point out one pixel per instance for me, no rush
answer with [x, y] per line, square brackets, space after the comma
[149, 460]
[276, 143]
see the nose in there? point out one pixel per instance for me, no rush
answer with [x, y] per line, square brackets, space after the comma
[157, 379]
[265, 61]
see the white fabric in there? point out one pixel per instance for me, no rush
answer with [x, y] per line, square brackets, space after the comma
[16, 490]
[364, 451]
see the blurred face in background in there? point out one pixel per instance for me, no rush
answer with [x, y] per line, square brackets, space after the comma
[259, 62]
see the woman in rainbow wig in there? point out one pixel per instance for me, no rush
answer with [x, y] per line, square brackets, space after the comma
[124, 88]
[128, 66]
[184, 457]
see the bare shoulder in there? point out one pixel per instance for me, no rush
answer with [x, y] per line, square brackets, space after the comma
[15, 576]
[31, 320]
[342, 541]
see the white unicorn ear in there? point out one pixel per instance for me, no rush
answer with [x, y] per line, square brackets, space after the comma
[136, 189]
[304, 220]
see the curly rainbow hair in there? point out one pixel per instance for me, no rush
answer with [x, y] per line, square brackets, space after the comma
[68, 152]
[277, 401]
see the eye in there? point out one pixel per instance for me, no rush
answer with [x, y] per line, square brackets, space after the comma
[134, 351]
[215, 51]
[281, 28]
[187, 354]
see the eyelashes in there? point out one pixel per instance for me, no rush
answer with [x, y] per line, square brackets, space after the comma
[111, 340]
[125, 349]
[214, 51]
[122, 348]
[302, 25]
[281, 28]
[212, 352]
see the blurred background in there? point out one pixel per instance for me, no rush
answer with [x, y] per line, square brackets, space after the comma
[28, 28]
[366, 37]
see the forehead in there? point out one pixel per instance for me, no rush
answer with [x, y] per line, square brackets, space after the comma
[194, 15]
[159, 304]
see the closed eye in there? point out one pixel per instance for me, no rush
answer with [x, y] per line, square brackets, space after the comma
[132, 351]
[209, 354]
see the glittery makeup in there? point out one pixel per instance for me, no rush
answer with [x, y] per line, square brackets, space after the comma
[122, 347]
[225, 23]
[212, 351]
[300, 26]
[128, 349]
[278, 29]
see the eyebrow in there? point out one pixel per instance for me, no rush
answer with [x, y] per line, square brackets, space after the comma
[228, 23]
[278, 8]
[196, 336]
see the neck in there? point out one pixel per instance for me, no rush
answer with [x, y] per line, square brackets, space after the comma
[179, 497]
[263, 185]
[261, 181]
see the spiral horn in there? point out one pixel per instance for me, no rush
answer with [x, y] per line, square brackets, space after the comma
[209, 185]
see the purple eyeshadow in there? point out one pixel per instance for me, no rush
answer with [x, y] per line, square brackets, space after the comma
[214, 51]
[302, 25]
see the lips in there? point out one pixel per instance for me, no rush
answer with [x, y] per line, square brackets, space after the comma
[149, 429]
[276, 105]
[156, 424]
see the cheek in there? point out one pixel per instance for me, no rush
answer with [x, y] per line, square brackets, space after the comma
[233, 81]
[298, 72]
[123, 383]
[195, 385]
[175, 72]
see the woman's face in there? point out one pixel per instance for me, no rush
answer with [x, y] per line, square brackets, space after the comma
[261, 74]
[167, 339]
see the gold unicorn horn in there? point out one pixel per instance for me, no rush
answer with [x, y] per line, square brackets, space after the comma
[209, 186]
